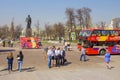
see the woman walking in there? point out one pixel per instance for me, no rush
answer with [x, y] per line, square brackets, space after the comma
[20, 57]
[107, 59]
[10, 61]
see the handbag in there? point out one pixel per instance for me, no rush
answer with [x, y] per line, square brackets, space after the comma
[65, 60]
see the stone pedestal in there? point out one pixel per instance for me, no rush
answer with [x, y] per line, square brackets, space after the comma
[28, 32]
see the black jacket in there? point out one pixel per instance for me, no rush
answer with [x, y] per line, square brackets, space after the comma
[20, 57]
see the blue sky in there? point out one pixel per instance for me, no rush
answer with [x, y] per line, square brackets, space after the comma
[51, 11]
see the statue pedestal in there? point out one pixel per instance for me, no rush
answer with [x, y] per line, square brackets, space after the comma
[28, 32]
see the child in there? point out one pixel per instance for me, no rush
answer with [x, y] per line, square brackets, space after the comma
[107, 59]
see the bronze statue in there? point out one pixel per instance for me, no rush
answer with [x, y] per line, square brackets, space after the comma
[28, 20]
[28, 27]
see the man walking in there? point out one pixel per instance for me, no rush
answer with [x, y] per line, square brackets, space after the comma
[83, 54]
[49, 54]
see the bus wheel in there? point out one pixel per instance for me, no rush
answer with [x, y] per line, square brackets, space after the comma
[102, 51]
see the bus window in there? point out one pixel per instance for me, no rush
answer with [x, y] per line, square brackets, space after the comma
[98, 32]
[81, 32]
[94, 33]
[85, 33]
[114, 33]
[111, 33]
[88, 33]
[105, 32]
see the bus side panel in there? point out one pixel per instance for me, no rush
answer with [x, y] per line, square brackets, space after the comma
[37, 41]
[91, 51]
[115, 49]
[22, 40]
[29, 42]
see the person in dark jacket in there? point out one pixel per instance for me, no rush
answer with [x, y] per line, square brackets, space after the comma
[62, 56]
[4, 43]
[10, 61]
[20, 57]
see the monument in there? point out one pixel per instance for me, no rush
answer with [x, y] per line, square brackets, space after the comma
[28, 27]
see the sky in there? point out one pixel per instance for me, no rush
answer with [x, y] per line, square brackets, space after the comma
[53, 11]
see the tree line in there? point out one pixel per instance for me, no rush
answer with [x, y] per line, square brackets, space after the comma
[12, 32]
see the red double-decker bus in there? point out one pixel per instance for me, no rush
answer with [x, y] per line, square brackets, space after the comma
[97, 41]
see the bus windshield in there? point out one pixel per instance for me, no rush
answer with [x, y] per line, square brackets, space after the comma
[85, 33]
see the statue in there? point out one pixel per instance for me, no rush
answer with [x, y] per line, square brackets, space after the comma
[28, 20]
[28, 27]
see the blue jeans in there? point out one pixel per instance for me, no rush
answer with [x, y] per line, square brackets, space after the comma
[20, 65]
[10, 66]
[49, 61]
[65, 48]
[83, 55]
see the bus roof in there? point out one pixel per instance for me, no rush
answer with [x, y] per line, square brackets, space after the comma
[91, 29]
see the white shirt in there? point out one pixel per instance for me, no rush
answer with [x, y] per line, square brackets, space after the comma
[82, 51]
[57, 52]
[66, 43]
[50, 52]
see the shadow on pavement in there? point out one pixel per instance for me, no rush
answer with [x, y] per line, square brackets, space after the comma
[29, 69]
[5, 69]
[67, 63]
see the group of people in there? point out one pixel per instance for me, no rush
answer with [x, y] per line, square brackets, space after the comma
[10, 59]
[56, 56]
[107, 57]
[10, 43]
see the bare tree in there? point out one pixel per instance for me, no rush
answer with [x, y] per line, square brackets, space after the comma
[43, 34]
[17, 31]
[71, 20]
[59, 30]
[4, 32]
[97, 25]
[87, 17]
[101, 24]
[48, 29]
[37, 25]
[12, 30]
[79, 17]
